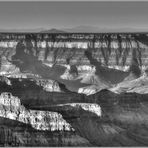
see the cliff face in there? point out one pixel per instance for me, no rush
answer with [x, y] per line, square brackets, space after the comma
[14, 133]
[11, 108]
[62, 52]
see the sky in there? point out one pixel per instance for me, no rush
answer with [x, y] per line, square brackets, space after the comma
[25, 15]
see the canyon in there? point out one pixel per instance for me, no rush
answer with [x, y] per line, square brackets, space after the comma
[73, 93]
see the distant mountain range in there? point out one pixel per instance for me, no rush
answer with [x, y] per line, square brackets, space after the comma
[93, 29]
[53, 31]
[81, 29]
[22, 30]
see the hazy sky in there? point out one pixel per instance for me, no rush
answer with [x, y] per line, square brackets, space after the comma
[70, 14]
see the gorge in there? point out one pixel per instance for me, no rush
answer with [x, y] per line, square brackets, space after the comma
[73, 89]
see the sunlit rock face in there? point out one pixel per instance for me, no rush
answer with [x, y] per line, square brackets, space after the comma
[49, 85]
[139, 85]
[94, 108]
[65, 44]
[10, 107]
[89, 90]
[7, 44]
[66, 75]
[7, 67]
[95, 82]
[123, 68]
